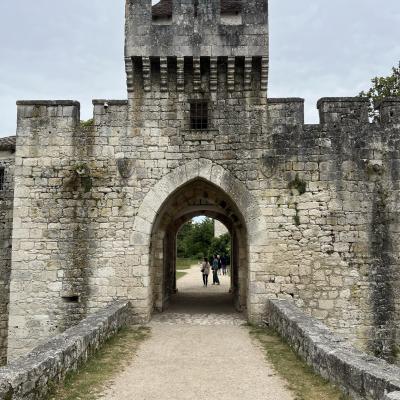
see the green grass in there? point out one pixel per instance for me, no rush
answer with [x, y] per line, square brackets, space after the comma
[301, 379]
[88, 381]
[180, 274]
[185, 263]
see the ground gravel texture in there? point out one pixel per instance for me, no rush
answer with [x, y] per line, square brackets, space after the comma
[198, 349]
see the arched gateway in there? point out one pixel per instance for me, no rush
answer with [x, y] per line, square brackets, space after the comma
[92, 219]
[196, 188]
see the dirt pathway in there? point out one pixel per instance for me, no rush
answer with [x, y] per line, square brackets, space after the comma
[195, 354]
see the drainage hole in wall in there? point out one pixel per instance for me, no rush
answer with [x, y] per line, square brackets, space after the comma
[70, 299]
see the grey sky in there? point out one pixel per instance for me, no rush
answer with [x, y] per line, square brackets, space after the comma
[74, 50]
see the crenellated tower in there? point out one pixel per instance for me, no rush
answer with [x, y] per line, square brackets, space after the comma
[181, 37]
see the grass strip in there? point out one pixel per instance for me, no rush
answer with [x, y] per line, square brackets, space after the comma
[89, 380]
[180, 274]
[185, 263]
[301, 379]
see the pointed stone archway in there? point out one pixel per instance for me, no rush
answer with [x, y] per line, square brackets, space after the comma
[199, 187]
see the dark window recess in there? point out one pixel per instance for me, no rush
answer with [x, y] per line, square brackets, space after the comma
[162, 12]
[2, 178]
[199, 115]
[71, 299]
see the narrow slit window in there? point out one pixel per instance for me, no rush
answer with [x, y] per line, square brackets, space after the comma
[2, 176]
[199, 115]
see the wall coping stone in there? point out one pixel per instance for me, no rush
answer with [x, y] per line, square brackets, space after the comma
[30, 377]
[382, 102]
[285, 100]
[358, 374]
[342, 99]
[48, 103]
[100, 102]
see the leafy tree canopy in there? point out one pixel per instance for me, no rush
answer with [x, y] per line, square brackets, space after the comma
[382, 87]
[196, 240]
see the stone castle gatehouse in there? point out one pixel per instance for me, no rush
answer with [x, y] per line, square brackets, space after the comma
[89, 214]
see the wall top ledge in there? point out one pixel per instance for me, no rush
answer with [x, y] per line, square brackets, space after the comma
[285, 100]
[342, 99]
[51, 103]
[100, 102]
[379, 104]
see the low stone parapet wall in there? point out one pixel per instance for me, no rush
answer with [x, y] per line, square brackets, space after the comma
[393, 396]
[361, 376]
[31, 377]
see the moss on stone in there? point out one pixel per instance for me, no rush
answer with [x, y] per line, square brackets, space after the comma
[299, 184]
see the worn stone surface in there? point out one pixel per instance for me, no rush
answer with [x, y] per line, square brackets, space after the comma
[392, 396]
[358, 374]
[6, 210]
[312, 209]
[204, 353]
[31, 377]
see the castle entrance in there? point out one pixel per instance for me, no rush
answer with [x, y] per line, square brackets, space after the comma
[197, 198]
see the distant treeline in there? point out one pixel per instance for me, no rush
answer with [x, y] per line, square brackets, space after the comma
[196, 241]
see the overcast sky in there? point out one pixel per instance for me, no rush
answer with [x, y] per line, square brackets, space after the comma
[74, 50]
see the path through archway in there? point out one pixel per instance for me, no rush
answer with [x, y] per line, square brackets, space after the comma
[197, 197]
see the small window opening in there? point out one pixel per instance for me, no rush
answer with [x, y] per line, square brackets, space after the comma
[231, 12]
[2, 176]
[199, 115]
[162, 12]
[70, 299]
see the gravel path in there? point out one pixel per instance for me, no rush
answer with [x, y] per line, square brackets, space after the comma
[195, 354]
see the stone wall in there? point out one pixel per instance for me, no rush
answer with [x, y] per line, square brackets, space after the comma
[361, 376]
[6, 211]
[31, 377]
[324, 198]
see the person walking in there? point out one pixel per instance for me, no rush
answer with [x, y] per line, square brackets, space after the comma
[215, 268]
[205, 270]
[223, 264]
[219, 265]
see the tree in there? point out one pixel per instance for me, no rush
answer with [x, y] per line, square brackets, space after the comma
[220, 245]
[194, 239]
[382, 87]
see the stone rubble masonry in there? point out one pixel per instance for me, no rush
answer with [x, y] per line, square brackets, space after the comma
[32, 376]
[317, 204]
[359, 375]
[6, 218]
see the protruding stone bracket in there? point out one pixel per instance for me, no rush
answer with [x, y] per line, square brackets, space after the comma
[213, 74]
[129, 73]
[248, 69]
[146, 74]
[180, 74]
[163, 74]
[264, 74]
[196, 74]
[231, 74]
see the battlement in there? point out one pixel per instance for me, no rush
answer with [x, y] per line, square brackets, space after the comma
[204, 28]
[50, 109]
[286, 111]
[343, 110]
[389, 110]
[333, 111]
